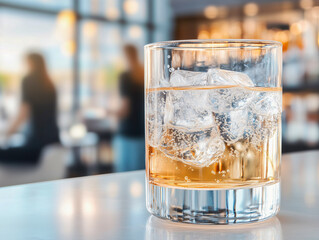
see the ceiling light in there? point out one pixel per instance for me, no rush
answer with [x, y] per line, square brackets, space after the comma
[211, 12]
[251, 9]
[112, 13]
[130, 7]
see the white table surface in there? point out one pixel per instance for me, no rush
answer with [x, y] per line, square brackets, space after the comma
[112, 206]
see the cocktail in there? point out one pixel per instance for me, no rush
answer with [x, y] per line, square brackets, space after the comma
[213, 130]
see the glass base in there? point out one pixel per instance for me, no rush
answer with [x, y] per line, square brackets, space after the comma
[218, 206]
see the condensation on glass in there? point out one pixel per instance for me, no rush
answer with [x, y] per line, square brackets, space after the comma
[213, 130]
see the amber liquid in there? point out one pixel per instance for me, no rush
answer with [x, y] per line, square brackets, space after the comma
[243, 163]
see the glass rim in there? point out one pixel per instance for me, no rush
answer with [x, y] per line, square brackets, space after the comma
[198, 44]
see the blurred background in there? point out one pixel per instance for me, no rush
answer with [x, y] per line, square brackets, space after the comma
[90, 56]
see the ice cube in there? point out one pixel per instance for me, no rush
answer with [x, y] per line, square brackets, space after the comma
[188, 109]
[197, 147]
[220, 77]
[230, 104]
[232, 125]
[183, 78]
[267, 103]
[265, 112]
[190, 132]
[230, 99]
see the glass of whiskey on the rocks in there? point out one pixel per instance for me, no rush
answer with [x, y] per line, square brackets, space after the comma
[213, 130]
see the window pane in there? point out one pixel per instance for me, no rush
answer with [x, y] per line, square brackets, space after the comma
[47, 4]
[135, 10]
[21, 33]
[136, 34]
[162, 13]
[106, 8]
[101, 64]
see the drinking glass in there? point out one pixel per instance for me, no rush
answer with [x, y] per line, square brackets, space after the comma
[213, 130]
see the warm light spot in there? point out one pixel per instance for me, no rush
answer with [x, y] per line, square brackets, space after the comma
[295, 28]
[251, 9]
[88, 206]
[130, 7]
[136, 189]
[282, 36]
[78, 131]
[112, 13]
[203, 34]
[135, 31]
[66, 209]
[90, 29]
[306, 4]
[66, 18]
[68, 48]
[65, 29]
[211, 12]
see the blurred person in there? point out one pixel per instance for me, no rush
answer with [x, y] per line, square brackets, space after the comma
[129, 143]
[38, 108]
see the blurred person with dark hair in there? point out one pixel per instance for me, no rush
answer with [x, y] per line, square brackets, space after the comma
[129, 143]
[38, 107]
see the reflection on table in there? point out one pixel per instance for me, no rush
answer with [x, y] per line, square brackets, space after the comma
[157, 229]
